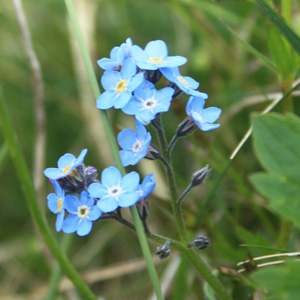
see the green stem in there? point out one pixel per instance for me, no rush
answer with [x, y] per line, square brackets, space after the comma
[57, 272]
[191, 254]
[114, 147]
[31, 198]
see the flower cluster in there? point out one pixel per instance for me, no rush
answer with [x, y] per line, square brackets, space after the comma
[129, 80]
[90, 198]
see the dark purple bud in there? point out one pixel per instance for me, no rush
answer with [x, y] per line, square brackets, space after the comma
[186, 127]
[164, 251]
[143, 208]
[152, 153]
[200, 242]
[200, 176]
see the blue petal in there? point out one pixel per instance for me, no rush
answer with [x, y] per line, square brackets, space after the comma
[132, 107]
[211, 114]
[80, 158]
[84, 227]
[126, 157]
[140, 129]
[135, 82]
[54, 173]
[148, 185]
[94, 213]
[126, 138]
[207, 126]
[97, 190]
[128, 69]
[130, 181]
[58, 190]
[123, 99]
[85, 199]
[107, 204]
[66, 160]
[71, 204]
[128, 199]
[138, 53]
[110, 176]
[174, 61]
[70, 224]
[106, 100]
[59, 221]
[109, 79]
[52, 203]
[156, 48]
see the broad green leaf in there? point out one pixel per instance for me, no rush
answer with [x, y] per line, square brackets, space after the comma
[277, 144]
[289, 34]
[282, 55]
[284, 195]
[283, 281]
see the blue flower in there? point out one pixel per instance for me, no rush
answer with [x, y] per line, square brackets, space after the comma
[155, 56]
[117, 56]
[134, 143]
[66, 164]
[185, 83]
[204, 118]
[147, 102]
[115, 190]
[146, 187]
[56, 204]
[82, 212]
[119, 85]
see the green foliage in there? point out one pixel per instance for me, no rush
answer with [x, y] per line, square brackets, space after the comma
[276, 143]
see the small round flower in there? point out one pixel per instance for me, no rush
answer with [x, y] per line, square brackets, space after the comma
[117, 56]
[82, 212]
[203, 117]
[147, 186]
[147, 102]
[185, 83]
[119, 85]
[115, 190]
[134, 143]
[155, 56]
[56, 204]
[66, 164]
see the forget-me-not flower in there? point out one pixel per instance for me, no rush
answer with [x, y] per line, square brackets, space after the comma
[155, 56]
[134, 143]
[187, 84]
[147, 102]
[203, 117]
[119, 85]
[115, 190]
[117, 56]
[147, 186]
[66, 165]
[56, 204]
[83, 212]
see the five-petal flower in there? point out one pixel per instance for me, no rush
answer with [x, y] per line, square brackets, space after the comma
[147, 102]
[66, 165]
[82, 212]
[155, 56]
[203, 117]
[119, 85]
[115, 190]
[134, 143]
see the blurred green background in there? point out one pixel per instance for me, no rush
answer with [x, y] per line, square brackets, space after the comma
[235, 80]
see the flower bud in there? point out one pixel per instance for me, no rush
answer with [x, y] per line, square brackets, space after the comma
[164, 251]
[186, 127]
[143, 208]
[200, 242]
[200, 176]
[152, 153]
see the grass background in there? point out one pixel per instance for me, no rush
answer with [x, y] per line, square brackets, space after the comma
[235, 80]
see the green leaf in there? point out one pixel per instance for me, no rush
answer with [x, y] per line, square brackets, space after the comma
[282, 193]
[281, 54]
[282, 281]
[277, 144]
[289, 34]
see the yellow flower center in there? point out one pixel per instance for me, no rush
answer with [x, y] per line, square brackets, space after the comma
[121, 86]
[182, 80]
[156, 60]
[66, 169]
[59, 205]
